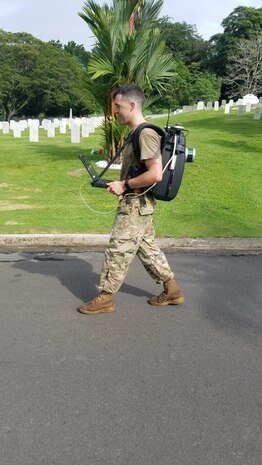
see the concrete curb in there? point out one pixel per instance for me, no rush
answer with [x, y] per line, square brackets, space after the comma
[98, 242]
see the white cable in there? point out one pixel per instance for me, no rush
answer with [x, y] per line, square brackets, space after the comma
[90, 208]
[164, 169]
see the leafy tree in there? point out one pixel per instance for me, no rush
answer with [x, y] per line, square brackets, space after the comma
[73, 49]
[56, 43]
[62, 87]
[183, 41]
[242, 23]
[129, 48]
[190, 86]
[36, 77]
[192, 81]
[18, 55]
[206, 87]
[180, 87]
[78, 51]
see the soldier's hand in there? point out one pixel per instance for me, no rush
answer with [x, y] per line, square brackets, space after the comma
[116, 187]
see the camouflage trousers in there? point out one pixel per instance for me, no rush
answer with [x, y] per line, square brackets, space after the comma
[132, 234]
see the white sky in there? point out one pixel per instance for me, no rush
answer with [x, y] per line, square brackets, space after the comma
[59, 20]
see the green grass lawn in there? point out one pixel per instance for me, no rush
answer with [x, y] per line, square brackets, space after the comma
[220, 195]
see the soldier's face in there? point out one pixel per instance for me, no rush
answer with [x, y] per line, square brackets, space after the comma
[123, 109]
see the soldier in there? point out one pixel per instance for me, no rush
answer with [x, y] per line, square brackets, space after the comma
[133, 231]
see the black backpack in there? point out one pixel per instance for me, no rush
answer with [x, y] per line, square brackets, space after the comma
[174, 156]
[173, 149]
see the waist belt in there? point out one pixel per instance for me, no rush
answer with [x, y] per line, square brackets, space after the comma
[129, 198]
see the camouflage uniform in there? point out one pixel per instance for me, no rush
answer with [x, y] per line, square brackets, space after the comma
[133, 232]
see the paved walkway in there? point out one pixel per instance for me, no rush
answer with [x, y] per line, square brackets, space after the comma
[179, 385]
[98, 242]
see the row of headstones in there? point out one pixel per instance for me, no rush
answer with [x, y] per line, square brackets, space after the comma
[79, 127]
[244, 107]
[240, 105]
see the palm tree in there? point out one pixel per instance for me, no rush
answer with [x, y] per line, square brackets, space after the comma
[128, 48]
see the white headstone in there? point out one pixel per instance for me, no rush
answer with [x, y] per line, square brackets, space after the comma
[17, 129]
[240, 110]
[70, 121]
[33, 122]
[216, 105]
[62, 127]
[56, 123]
[98, 121]
[33, 133]
[23, 124]
[209, 105]
[248, 107]
[45, 123]
[223, 103]
[257, 113]
[51, 130]
[200, 105]
[91, 122]
[77, 121]
[75, 133]
[5, 127]
[231, 103]
[227, 108]
[85, 130]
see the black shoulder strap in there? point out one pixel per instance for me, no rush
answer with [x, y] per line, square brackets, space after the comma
[136, 135]
[127, 141]
[134, 138]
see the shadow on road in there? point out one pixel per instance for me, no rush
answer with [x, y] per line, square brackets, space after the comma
[75, 274]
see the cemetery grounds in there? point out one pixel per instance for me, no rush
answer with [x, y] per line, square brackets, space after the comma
[45, 189]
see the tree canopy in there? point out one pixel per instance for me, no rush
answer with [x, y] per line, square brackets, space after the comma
[242, 23]
[36, 77]
[183, 40]
[132, 43]
[78, 51]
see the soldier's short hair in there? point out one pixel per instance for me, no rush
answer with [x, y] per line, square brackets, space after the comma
[131, 91]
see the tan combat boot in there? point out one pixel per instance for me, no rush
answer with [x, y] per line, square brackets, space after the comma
[172, 295]
[103, 303]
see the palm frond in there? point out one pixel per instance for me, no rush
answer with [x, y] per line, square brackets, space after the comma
[125, 51]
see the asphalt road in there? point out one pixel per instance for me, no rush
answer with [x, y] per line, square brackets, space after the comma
[144, 385]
